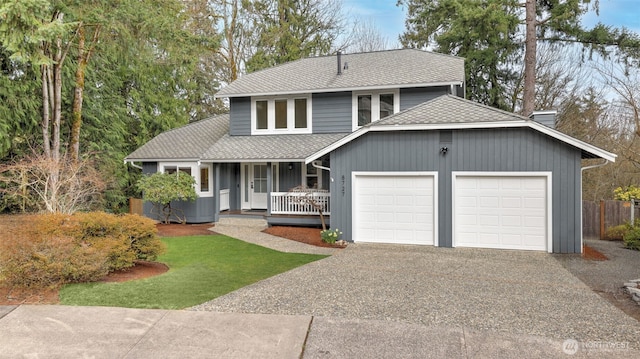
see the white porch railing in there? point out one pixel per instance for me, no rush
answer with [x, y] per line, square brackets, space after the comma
[224, 199]
[296, 203]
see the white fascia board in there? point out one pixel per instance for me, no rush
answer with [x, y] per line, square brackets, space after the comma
[468, 125]
[337, 144]
[131, 160]
[253, 160]
[573, 141]
[344, 89]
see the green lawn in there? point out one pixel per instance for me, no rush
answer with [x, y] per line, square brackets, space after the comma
[201, 268]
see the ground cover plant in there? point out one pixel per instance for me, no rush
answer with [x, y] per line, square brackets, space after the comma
[201, 268]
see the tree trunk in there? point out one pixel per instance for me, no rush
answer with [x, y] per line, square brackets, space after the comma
[46, 116]
[529, 93]
[74, 141]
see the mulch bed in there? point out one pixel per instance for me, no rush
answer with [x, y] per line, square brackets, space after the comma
[179, 230]
[592, 254]
[300, 234]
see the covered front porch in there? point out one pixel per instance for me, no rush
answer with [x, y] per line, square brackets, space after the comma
[284, 193]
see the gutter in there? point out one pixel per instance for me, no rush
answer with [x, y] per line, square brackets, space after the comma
[323, 168]
[133, 164]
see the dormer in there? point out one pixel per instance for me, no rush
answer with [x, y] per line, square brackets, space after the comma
[338, 93]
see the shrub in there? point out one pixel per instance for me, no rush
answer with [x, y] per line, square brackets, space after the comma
[330, 235]
[163, 188]
[49, 261]
[54, 249]
[617, 232]
[632, 238]
[124, 237]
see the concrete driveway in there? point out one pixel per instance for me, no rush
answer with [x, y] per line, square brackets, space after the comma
[509, 292]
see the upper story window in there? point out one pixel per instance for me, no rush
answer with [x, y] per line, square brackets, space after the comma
[374, 105]
[270, 115]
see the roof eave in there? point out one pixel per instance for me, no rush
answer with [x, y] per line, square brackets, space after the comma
[161, 159]
[255, 160]
[340, 89]
[469, 125]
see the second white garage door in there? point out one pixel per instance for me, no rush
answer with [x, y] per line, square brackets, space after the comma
[500, 211]
[394, 208]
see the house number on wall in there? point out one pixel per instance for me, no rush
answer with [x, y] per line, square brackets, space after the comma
[342, 180]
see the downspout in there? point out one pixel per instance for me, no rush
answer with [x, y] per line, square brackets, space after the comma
[133, 164]
[581, 219]
[323, 168]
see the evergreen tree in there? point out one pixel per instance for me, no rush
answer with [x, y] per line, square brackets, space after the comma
[490, 35]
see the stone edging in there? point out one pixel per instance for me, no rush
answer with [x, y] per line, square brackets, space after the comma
[633, 288]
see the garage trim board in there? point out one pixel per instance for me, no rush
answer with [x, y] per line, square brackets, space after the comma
[520, 210]
[396, 211]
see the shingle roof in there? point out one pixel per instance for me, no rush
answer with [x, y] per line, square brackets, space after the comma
[451, 112]
[269, 147]
[448, 109]
[186, 142]
[397, 68]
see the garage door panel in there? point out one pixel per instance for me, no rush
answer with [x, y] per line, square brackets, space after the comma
[401, 206]
[509, 212]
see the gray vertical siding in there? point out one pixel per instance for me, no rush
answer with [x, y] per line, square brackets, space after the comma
[199, 211]
[332, 112]
[149, 167]
[521, 150]
[289, 179]
[389, 151]
[240, 116]
[410, 97]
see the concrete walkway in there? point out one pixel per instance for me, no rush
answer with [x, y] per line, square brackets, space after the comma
[250, 230]
[98, 332]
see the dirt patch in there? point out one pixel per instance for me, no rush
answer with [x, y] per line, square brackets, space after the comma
[179, 230]
[593, 254]
[300, 234]
[142, 269]
[17, 296]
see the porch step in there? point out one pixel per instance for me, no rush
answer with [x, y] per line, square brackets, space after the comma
[256, 223]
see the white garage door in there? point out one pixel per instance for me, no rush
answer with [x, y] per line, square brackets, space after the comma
[394, 208]
[509, 212]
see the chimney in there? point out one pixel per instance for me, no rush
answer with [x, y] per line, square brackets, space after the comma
[339, 62]
[547, 118]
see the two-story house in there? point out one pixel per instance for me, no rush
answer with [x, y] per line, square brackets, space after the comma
[396, 155]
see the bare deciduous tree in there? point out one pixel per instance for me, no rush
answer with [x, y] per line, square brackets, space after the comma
[78, 185]
[308, 196]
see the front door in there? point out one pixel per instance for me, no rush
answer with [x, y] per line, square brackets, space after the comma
[258, 185]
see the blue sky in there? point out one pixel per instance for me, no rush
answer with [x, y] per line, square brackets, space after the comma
[389, 18]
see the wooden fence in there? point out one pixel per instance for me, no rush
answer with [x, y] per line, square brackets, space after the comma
[597, 217]
[135, 206]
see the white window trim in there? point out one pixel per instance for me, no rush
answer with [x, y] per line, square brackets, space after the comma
[195, 173]
[375, 104]
[305, 174]
[271, 115]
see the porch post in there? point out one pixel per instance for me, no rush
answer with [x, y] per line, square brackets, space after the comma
[269, 186]
[216, 192]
